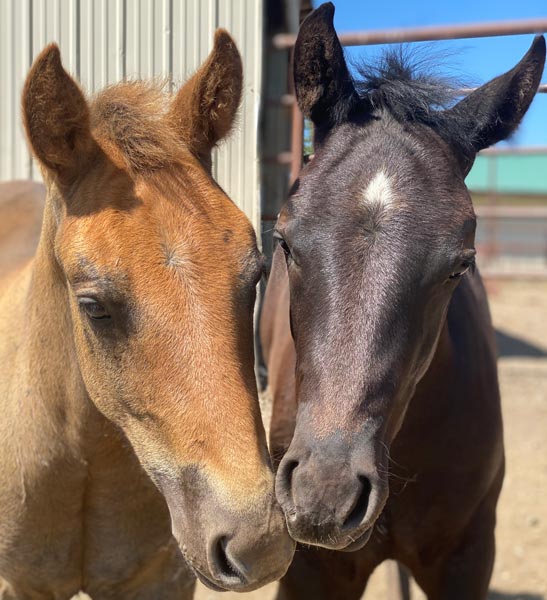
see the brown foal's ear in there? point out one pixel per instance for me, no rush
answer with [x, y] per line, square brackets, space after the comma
[56, 117]
[493, 112]
[205, 108]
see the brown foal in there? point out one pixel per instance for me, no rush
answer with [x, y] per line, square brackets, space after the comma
[131, 432]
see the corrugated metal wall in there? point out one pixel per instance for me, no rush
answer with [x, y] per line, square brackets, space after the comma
[103, 41]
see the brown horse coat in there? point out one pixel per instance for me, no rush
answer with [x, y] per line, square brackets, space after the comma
[130, 428]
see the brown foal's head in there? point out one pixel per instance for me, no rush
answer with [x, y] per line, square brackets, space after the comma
[160, 269]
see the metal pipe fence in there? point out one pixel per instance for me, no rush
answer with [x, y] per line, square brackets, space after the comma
[428, 34]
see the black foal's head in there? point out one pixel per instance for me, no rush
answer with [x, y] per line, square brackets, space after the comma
[376, 235]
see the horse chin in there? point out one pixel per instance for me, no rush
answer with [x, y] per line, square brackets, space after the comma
[207, 582]
[360, 542]
[354, 544]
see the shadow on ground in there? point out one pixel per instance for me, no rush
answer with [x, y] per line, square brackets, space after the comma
[509, 345]
[495, 595]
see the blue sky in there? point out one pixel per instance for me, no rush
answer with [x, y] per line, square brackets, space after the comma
[478, 60]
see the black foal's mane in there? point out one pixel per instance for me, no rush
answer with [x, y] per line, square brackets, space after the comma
[409, 86]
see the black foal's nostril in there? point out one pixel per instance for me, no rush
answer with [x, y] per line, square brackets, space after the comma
[359, 510]
[285, 476]
[222, 566]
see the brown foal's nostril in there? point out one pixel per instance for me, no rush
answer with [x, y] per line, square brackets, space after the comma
[223, 567]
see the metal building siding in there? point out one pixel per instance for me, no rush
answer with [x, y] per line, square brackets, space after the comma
[103, 41]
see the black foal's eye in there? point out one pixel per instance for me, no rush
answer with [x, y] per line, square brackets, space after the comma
[93, 309]
[282, 243]
[464, 266]
[284, 246]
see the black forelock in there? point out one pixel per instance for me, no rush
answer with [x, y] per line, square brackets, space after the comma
[408, 84]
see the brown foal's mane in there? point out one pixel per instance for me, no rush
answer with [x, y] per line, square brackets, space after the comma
[133, 116]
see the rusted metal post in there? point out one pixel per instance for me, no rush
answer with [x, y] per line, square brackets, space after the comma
[398, 581]
[289, 100]
[297, 130]
[428, 34]
[297, 143]
[492, 245]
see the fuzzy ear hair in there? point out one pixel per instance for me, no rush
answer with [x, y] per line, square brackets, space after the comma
[493, 112]
[323, 84]
[56, 117]
[205, 108]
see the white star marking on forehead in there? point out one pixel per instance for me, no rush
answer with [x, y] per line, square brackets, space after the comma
[379, 193]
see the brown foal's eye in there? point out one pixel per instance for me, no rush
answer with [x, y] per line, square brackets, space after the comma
[93, 309]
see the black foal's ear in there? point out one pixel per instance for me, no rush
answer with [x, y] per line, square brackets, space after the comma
[493, 111]
[323, 85]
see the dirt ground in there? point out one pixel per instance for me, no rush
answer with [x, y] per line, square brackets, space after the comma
[519, 311]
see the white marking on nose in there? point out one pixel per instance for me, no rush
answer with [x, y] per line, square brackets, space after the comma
[379, 192]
